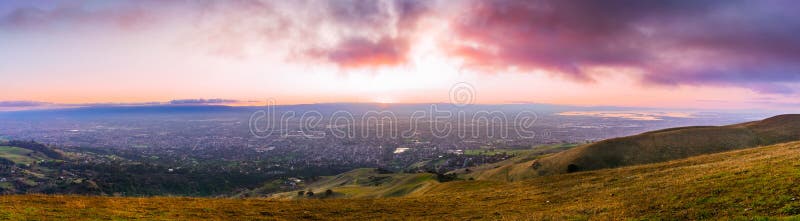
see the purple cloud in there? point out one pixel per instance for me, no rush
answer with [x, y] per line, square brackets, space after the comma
[750, 44]
[126, 15]
[22, 103]
[753, 44]
[202, 101]
[361, 52]
[382, 32]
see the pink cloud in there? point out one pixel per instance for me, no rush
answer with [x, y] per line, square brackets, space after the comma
[727, 43]
[360, 52]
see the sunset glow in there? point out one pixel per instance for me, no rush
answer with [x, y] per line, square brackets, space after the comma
[402, 52]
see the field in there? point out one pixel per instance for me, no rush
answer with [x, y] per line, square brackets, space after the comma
[744, 184]
[18, 155]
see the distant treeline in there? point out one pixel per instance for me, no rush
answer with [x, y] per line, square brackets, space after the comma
[4, 161]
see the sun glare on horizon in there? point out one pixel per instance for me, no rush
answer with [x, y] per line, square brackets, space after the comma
[384, 100]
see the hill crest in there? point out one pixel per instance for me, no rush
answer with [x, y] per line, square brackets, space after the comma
[670, 144]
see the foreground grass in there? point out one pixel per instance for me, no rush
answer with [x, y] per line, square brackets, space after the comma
[759, 183]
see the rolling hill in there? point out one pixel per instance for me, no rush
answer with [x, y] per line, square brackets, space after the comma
[745, 171]
[650, 147]
[670, 144]
[749, 184]
[372, 183]
[514, 169]
[369, 183]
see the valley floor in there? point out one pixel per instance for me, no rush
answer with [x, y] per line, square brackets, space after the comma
[758, 183]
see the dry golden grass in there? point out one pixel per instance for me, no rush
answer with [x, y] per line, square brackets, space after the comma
[671, 144]
[743, 184]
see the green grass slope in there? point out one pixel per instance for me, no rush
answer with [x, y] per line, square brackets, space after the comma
[749, 184]
[670, 144]
[514, 169]
[369, 183]
[21, 155]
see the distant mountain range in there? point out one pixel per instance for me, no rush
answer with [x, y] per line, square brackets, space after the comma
[326, 108]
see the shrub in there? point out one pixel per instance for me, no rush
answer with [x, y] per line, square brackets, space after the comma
[573, 168]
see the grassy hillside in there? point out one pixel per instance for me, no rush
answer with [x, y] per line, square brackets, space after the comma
[742, 184]
[21, 155]
[369, 183]
[514, 169]
[670, 144]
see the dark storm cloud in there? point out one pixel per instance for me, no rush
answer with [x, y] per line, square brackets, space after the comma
[754, 44]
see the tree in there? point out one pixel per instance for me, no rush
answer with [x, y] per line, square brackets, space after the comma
[328, 192]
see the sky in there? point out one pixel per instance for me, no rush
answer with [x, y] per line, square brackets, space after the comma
[712, 54]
